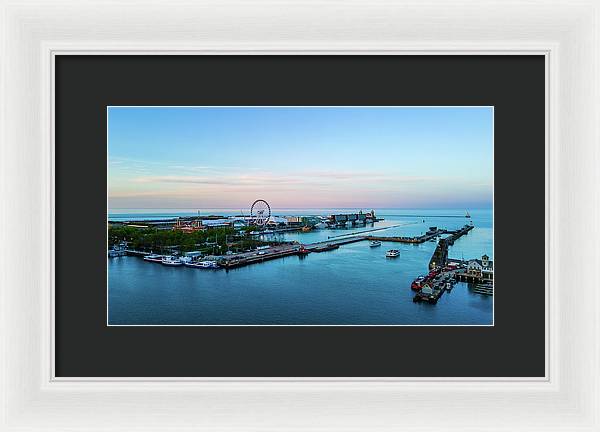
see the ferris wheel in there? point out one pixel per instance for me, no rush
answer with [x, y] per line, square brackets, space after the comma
[260, 213]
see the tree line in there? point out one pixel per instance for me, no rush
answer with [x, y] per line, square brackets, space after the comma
[212, 241]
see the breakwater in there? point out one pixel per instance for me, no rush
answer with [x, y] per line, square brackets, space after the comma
[431, 234]
[440, 255]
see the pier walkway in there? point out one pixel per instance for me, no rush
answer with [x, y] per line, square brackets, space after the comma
[280, 251]
[412, 240]
[371, 230]
[440, 255]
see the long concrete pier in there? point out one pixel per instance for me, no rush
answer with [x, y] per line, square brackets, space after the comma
[371, 230]
[240, 260]
[412, 240]
[440, 255]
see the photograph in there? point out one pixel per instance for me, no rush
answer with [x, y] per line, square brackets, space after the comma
[300, 216]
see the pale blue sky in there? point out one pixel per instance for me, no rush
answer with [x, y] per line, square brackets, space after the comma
[392, 157]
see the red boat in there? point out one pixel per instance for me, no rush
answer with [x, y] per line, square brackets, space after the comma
[417, 283]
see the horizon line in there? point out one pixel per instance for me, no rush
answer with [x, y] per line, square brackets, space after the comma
[305, 208]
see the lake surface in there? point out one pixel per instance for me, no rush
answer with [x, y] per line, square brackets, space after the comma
[353, 285]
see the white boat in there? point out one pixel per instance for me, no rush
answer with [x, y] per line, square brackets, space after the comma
[118, 250]
[112, 253]
[153, 258]
[191, 256]
[170, 260]
[392, 253]
[198, 264]
[202, 264]
[375, 243]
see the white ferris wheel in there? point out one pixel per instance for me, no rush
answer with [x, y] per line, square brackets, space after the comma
[260, 213]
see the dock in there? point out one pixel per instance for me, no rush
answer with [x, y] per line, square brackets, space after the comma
[485, 288]
[371, 230]
[281, 251]
[136, 253]
[256, 258]
[440, 255]
[431, 234]
[435, 289]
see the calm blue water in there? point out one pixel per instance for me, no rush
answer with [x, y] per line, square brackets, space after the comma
[354, 284]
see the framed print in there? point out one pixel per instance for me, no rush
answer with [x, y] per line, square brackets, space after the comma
[247, 219]
[268, 216]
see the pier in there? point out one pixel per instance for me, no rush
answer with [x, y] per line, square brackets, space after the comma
[440, 255]
[444, 272]
[281, 251]
[258, 258]
[371, 230]
[431, 234]
[435, 288]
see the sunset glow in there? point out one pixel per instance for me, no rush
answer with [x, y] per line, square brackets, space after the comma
[391, 157]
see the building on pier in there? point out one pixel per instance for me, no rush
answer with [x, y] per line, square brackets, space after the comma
[482, 269]
[353, 218]
[188, 225]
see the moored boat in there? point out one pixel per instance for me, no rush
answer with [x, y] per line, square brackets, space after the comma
[202, 264]
[417, 283]
[153, 258]
[118, 250]
[112, 253]
[375, 243]
[170, 260]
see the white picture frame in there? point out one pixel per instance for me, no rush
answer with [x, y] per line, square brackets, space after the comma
[33, 32]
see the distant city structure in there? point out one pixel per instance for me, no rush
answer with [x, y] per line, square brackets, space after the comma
[188, 225]
[352, 218]
[260, 218]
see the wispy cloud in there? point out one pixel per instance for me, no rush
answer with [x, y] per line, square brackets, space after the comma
[221, 180]
[275, 180]
[214, 157]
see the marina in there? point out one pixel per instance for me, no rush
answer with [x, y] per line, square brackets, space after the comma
[302, 244]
